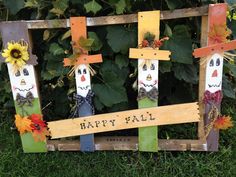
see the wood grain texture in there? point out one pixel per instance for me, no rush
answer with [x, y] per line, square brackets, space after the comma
[129, 143]
[202, 78]
[149, 54]
[163, 115]
[216, 48]
[117, 19]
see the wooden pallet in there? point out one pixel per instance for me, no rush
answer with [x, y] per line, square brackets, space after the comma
[127, 142]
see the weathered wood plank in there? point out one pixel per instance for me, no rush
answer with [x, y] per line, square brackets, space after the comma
[127, 143]
[202, 79]
[163, 115]
[118, 19]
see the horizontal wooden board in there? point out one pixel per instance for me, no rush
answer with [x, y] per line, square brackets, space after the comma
[127, 143]
[84, 59]
[164, 115]
[118, 19]
[154, 54]
[216, 48]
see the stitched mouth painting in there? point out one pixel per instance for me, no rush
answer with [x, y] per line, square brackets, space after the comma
[148, 74]
[23, 80]
[214, 73]
[82, 79]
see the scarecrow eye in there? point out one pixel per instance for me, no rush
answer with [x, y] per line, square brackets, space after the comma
[152, 67]
[211, 63]
[25, 72]
[17, 74]
[217, 62]
[84, 71]
[144, 67]
[79, 71]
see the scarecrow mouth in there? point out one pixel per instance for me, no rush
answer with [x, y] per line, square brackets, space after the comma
[149, 85]
[84, 88]
[214, 85]
[23, 90]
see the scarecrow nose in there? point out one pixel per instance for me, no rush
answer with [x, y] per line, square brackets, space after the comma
[214, 74]
[82, 78]
[22, 82]
[149, 77]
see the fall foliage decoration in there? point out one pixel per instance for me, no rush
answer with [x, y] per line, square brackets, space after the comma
[23, 124]
[150, 41]
[223, 122]
[34, 124]
[219, 33]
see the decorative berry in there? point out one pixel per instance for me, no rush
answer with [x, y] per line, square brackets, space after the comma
[145, 43]
[157, 44]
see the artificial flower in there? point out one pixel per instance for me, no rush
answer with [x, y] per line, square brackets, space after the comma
[23, 124]
[16, 53]
[219, 33]
[223, 122]
[39, 127]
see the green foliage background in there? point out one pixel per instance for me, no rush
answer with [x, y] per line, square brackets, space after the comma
[113, 83]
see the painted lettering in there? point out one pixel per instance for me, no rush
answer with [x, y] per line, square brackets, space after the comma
[113, 122]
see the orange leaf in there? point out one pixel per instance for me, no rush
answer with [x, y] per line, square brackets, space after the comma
[219, 33]
[22, 124]
[223, 122]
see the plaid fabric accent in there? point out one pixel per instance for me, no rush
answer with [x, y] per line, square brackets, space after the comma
[152, 94]
[22, 101]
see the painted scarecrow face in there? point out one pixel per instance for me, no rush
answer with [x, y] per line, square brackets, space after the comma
[214, 72]
[148, 74]
[23, 80]
[82, 77]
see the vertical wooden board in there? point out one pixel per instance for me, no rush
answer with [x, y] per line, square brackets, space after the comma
[17, 31]
[216, 16]
[83, 83]
[148, 22]
[202, 74]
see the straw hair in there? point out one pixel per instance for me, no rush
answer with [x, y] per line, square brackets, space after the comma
[90, 69]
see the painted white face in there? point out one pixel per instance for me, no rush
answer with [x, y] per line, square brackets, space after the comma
[148, 74]
[82, 77]
[214, 70]
[23, 80]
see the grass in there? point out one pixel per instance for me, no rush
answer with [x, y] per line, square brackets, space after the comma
[14, 163]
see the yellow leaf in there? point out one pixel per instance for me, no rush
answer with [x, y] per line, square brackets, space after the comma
[66, 35]
[22, 124]
[46, 35]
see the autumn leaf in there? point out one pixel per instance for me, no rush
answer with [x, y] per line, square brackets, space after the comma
[219, 33]
[223, 123]
[23, 124]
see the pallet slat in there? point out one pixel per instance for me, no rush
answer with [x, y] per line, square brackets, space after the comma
[118, 19]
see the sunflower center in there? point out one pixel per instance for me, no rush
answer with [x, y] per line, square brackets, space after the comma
[15, 53]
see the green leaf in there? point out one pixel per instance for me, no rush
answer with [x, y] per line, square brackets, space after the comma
[97, 44]
[86, 43]
[55, 49]
[120, 7]
[233, 28]
[108, 95]
[121, 39]
[59, 7]
[32, 4]
[174, 4]
[165, 66]
[92, 6]
[168, 31]
[121, 61]
[66, 35]
[180, 45]
[188, 73]
[14, 5]
[228, 88]
[46, 35]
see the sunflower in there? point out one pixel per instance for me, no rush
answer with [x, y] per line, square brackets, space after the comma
[16, 53]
